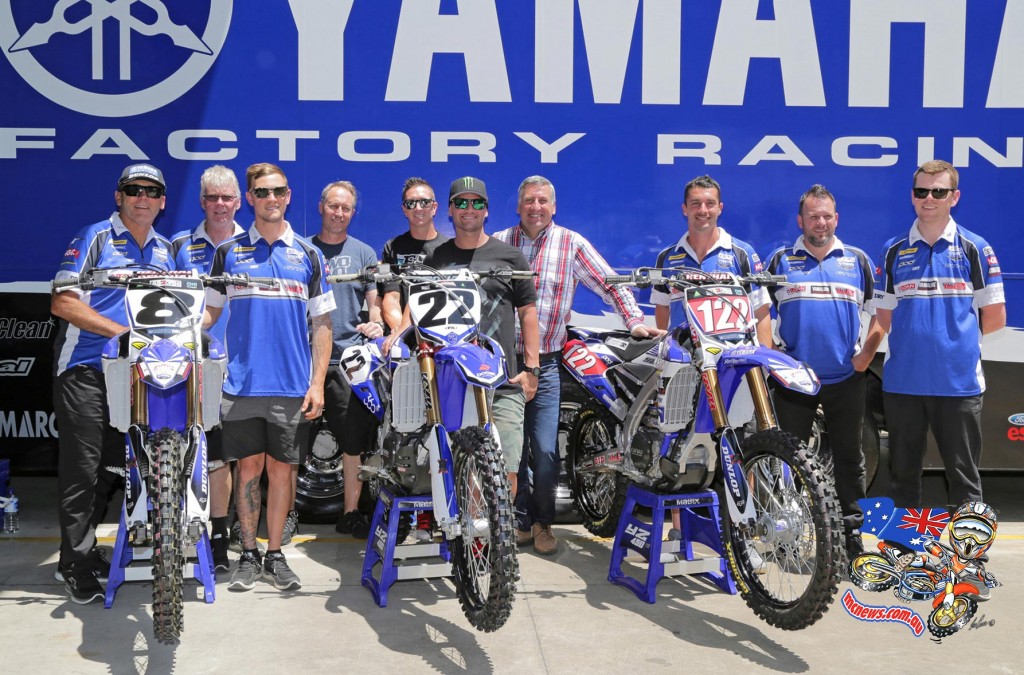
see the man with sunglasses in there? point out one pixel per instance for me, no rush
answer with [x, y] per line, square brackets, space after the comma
[562, 258]
[352, 425]
[87, 442]
[220, 199]
[501, 301]
[276, 366]
[938, 289]
[830, 284]
[419, 208]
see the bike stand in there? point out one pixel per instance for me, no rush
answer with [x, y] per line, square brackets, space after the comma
[645, 538]
[383, 548]
[134, 563]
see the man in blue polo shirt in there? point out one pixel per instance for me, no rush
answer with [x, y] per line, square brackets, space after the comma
[88, 319]
[938, 289]
[220, 199]
[276, 366]
[708, 247]
[819, 311]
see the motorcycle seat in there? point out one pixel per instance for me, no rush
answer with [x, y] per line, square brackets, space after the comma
[624, 345]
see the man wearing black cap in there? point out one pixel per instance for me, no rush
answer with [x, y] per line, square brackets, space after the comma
[501, 301]
[87, 320]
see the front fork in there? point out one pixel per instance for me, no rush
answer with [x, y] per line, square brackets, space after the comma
[737, 491]
[439, 449]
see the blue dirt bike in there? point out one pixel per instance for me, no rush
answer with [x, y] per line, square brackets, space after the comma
[164, 378]
[436, 433]
[669, 413]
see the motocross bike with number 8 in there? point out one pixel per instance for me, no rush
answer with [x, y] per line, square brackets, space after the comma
[667, 414]
[164, 377]
[436, 431]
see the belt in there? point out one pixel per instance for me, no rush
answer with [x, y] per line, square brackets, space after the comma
[550, 356]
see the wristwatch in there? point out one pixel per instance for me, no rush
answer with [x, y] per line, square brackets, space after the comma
[535, 371]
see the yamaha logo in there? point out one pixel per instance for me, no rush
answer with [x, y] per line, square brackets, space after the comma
[110, 58]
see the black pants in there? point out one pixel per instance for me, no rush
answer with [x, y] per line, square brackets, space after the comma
[354, 427]
[87, 443]
[956, 424]
[843, 405]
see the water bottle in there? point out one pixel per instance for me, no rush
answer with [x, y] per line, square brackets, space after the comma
[11, 515]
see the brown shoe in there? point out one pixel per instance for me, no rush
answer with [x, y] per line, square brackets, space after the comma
[523, 537]
[543, 541]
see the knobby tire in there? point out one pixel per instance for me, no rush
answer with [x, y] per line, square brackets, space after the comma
[168, 545]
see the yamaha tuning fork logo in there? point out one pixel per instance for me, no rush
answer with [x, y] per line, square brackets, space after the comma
[112, 58]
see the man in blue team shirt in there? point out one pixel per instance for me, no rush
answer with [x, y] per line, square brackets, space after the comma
[88, 319]
[220, 199]
[819, 310]
[708, 247]
[276, 366]
[348, 419]
[938, 290]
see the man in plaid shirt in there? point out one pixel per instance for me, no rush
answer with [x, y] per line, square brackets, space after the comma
[561, 258]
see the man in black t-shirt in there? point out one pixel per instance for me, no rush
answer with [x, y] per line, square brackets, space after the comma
[501, 300]
[419, 207]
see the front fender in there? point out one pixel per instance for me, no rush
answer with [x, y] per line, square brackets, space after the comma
[787, 371]
[475, 364]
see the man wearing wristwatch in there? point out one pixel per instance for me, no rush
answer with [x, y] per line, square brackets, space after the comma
[348, 419]
[501, 301]
[561, 258]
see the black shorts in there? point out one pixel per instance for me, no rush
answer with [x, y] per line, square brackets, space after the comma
[253, 425]
[353, 426]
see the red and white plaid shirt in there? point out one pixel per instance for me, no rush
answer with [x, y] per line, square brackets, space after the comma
[562, 258]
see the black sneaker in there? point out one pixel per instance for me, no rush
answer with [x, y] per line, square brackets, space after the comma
[291, 527]
[354, 523]
[276, 570]
[81, 583]
[248, 571]
[219, 548]
[96, 560]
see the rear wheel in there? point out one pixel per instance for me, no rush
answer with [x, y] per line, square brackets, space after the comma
[787, 563]
[168, 545]
[599, 495]
[870, 571]
[484, 557]
[320, 484]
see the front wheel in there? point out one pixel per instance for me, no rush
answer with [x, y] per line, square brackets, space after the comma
[945, 621]
[168, 544]
[787, 564]
[484, 558]
[598, 495]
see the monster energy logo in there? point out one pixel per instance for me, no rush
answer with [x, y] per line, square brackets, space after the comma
[104, 15]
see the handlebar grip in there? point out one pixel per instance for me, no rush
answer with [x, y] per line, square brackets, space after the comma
[67, 283]
[263, 281]
[343, 278]
[619, 279]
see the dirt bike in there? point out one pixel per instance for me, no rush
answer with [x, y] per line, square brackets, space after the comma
[916, 576]
[436, 434]
[666, 413]
[164, 378]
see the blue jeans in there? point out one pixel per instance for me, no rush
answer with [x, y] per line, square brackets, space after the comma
[538, 469]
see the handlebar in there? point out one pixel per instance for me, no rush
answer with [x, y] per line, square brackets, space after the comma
[645, 277]
[112, 278]
[383, 274]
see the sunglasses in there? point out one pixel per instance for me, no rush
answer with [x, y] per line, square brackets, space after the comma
[263, 193]
[413, 203]
[152, 191]
[938, 193]
[460, 203]
[227, 199]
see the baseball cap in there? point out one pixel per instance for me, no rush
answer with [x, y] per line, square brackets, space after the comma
[468, 184]
[142, 172]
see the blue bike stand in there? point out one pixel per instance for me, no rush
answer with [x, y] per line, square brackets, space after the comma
[634, 534]
[384, 549]
[134, 563]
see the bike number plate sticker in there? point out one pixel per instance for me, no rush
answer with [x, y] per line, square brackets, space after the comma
[719, 310]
